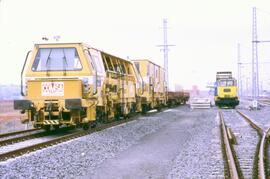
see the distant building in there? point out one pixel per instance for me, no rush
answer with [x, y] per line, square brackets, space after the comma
[195, 90]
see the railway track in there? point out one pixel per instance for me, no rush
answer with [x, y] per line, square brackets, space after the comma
[249, 151]
[16, 133]
[231, 167]
[53, 140]
[12, 140]
[28, 135]
[265, 103]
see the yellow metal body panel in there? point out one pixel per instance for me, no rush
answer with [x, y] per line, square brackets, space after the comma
[71, 89]
[154, 84]
[51, 88]
[227, 91]
[104, 81]
[86, 70]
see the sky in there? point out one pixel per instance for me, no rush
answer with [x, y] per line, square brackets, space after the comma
[205, 33]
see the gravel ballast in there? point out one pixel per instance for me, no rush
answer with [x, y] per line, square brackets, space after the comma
[246, 139]
[261, 116]
[198, 157]
[201, 157]
[76, 157]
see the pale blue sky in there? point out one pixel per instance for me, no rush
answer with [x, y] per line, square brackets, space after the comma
[205, 33]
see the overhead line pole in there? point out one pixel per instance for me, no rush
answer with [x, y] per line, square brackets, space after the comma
[255, 69]
[239, 69]
[165, 50]
[255, 64]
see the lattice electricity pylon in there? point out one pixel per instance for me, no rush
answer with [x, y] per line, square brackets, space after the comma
[255, 66]
[255, 69]
[165, 50]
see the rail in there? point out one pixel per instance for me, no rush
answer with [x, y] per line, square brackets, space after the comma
[16, 132]
[261, 155]
[231, 161]
[21, 151]
[264, 133]
[22, 138]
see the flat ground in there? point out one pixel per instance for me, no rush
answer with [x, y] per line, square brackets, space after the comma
[176, 143]
[151, 157]
[9, 118]
[156, 154]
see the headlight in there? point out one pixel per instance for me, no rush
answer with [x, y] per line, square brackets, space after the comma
[25, 85]
[85, 85]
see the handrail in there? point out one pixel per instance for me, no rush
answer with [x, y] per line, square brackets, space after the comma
[96, 75]
[22, 93]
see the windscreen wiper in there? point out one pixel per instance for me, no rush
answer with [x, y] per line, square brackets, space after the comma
[47, 62]
[65, 64]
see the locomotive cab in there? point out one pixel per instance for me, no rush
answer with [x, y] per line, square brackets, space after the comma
[60, 85]
[226, 90]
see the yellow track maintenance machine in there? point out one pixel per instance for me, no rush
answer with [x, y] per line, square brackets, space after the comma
[155, 87]
[73, 84]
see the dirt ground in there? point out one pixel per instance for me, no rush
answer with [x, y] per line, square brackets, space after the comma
[6, 106]
[10, 118]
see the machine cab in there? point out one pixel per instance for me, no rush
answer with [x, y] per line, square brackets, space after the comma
[61, 84]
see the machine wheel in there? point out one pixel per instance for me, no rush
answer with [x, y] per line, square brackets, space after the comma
[93, 124]
[159, 107]
[47, 128]
[86, 126]
[56, 127]
[144, 108]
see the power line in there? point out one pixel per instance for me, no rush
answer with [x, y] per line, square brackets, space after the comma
[248, 63]
[261, 10]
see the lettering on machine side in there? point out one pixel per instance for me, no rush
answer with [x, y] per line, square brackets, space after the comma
[52, 89]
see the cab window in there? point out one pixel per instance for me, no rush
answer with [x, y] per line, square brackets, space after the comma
[57, 59]
[109, 63]
[95, 62]
[222, 83]
[230, 83]
[137, 65]
[227, 83]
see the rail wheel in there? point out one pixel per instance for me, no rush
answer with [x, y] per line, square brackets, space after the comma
[117, 113]
[86, 126]
[159, 107]
[93, 124]
[144, 108]
[47, 128]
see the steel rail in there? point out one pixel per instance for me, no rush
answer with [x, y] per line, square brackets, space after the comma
[28, 149]
[262, 144]
[231, 162]
[264, 103]
[16, 132]
[42, 133]
[252, 123]
[22, 138]
[261, 155]
[38, 146]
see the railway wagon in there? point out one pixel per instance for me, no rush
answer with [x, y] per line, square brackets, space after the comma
[73, 84]
[155, 87]
[177, 98]
[226, 90]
